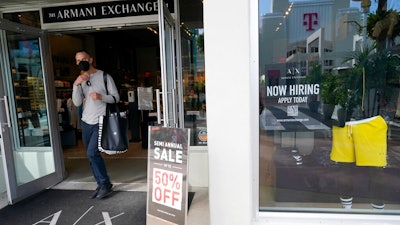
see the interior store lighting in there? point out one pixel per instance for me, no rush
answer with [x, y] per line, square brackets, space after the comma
[152, 30]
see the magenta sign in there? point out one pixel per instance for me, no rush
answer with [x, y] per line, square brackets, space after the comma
[309, 20]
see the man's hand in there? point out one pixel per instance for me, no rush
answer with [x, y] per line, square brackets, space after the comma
[80, 79]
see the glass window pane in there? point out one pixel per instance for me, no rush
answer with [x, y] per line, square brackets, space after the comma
[194, 95]
[30, 101]
[329, 106]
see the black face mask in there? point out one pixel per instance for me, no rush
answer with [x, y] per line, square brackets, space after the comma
[84, 65]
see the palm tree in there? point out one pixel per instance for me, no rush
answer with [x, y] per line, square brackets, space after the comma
[382, 5]
[383, 26]
[374, 77]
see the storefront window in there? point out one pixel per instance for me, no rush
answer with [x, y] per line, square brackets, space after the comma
[329, 106]
[194, 96]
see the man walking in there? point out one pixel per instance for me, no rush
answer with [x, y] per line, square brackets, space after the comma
[89, 89]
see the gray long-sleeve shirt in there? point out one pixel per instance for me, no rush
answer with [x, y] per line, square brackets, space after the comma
[92, 109]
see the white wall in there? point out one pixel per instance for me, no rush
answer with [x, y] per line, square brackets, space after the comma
[198, 167]
[227, 64]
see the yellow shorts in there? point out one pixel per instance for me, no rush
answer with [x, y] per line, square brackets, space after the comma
[362, 142]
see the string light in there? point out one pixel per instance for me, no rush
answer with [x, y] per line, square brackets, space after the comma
[287, 12]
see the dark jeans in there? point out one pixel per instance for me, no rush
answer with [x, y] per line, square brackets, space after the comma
[90, 135]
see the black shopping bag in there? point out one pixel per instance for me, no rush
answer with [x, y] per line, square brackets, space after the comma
[113, 133]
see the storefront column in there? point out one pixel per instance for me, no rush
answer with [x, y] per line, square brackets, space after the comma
[229, 110]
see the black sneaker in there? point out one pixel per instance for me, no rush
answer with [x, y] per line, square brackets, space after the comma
[104, 191]
[94, 195]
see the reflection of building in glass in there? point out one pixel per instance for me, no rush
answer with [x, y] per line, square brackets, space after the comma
[273, 47]
[298, 35]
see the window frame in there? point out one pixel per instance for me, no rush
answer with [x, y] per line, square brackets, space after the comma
[288, 217]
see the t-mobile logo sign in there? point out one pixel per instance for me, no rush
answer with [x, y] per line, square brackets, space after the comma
[309, 20]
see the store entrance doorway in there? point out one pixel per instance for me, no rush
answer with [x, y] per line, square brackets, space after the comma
[131, 57]
[132, 52]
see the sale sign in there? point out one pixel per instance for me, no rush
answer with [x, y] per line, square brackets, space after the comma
[167, 175]
[167, 188]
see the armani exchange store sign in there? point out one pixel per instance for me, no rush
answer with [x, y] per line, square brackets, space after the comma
[102, 10]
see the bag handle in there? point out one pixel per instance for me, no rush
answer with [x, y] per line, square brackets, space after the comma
[115, 100]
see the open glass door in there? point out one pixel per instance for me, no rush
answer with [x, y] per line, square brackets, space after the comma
[31, 155]
[171, 77]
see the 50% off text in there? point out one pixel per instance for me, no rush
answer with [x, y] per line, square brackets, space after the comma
[167, 188]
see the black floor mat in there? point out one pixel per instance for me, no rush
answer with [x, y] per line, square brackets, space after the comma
[74, 207]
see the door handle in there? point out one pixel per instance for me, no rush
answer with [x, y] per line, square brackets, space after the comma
[5, 99]
[174, 108]
[158, 93]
